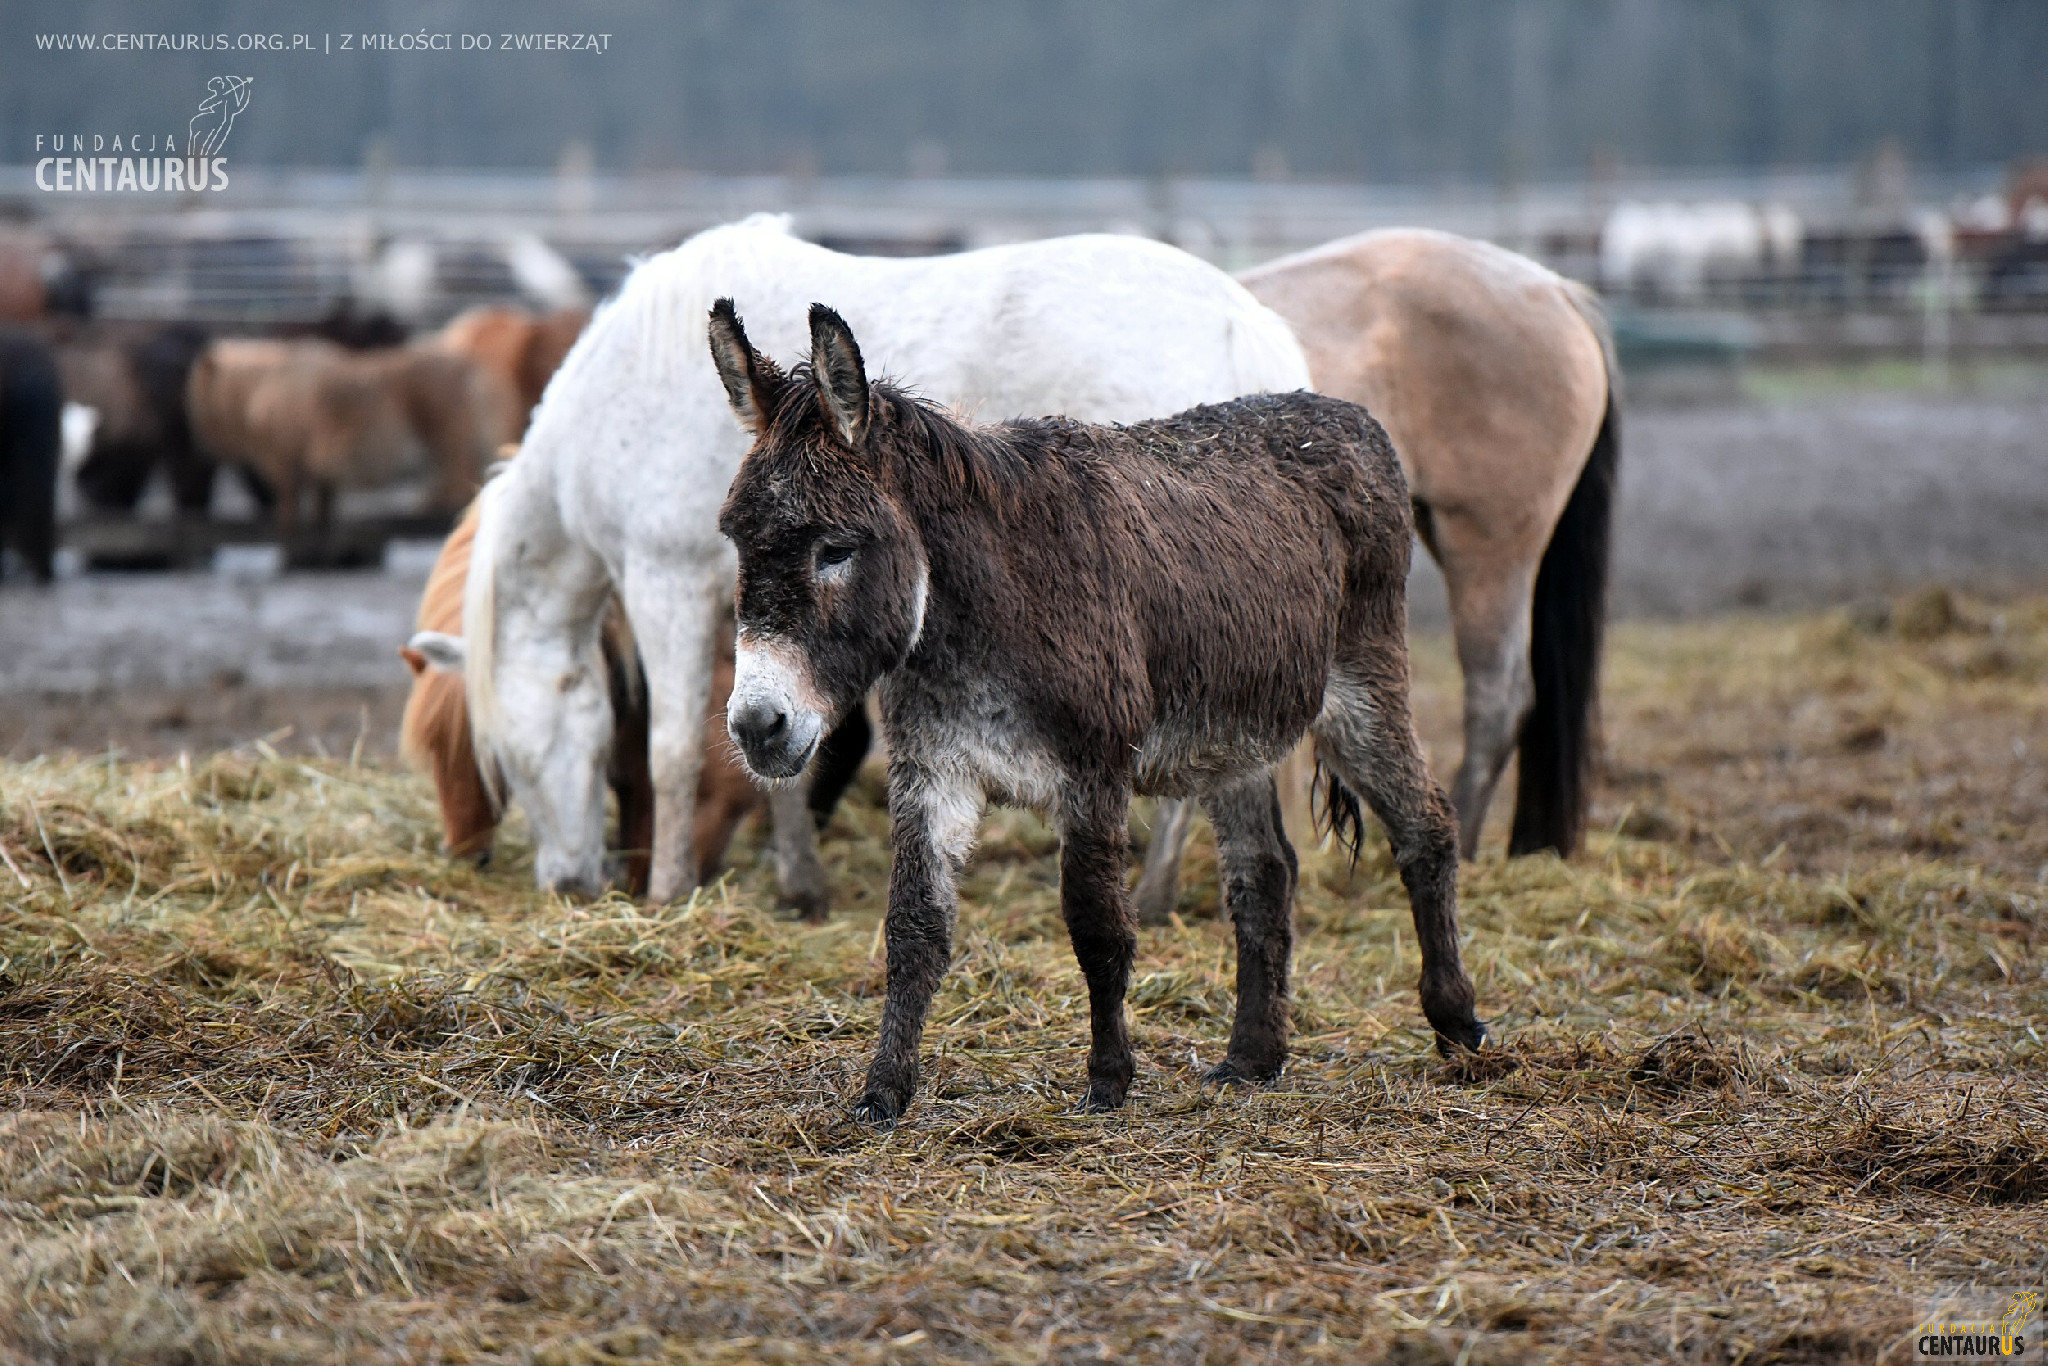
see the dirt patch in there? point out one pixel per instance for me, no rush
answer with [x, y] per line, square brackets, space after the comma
[165, 722]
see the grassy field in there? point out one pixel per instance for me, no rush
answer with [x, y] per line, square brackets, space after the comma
[280, 1084]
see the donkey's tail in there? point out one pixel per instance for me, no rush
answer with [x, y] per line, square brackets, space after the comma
[1339, 813]
[1557, 745]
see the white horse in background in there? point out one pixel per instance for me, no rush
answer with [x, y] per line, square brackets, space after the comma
[619, 481]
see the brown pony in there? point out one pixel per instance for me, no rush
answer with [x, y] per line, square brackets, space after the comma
[1059, 615]
[517, 350]
[308, 414]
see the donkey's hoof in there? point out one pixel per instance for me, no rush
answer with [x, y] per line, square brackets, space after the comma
[878, 1109]
[1102, 1097]
[1465, 1037]
[1238, 1072]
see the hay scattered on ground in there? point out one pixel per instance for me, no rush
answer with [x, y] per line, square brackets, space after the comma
[283, 1085]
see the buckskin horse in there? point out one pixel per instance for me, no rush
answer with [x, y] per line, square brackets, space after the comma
[1495, 378]
[1060, 615]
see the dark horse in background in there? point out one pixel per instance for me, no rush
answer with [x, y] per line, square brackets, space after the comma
[135, 379]
[1060, 615]
[31, 437]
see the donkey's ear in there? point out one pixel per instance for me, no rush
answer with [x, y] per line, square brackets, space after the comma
[750, 380]
[842, 378]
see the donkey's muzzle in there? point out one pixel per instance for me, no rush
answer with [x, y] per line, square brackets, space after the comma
[775, 743]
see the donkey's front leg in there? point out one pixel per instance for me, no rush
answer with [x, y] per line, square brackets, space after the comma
[1093, 837]
[934, 821]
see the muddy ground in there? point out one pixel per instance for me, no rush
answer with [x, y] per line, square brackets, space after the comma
[1807, 489]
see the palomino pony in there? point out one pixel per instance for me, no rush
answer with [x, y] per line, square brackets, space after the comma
[619, 482]
[1495, 379]
[434, 736]
[308, 414]
[1060, 615]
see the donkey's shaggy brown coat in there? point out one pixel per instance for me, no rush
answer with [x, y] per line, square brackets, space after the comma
[1062, 614]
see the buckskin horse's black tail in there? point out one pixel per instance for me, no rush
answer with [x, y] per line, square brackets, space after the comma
[1557, 743]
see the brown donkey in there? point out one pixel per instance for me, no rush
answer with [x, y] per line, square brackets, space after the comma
[1060, 615]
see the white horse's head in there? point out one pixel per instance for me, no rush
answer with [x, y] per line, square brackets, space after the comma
[539, 702]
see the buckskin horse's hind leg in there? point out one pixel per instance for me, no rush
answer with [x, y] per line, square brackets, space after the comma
[1259, 873]
[1366, 737]
[1094, 839]
[1159, 885]
[1493, 653]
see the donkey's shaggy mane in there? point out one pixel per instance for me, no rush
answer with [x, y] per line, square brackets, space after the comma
[978, 463]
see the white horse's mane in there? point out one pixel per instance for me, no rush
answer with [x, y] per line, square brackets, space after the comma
[663, 303]
[480, 636]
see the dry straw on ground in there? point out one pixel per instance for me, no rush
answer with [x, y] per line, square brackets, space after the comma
[282, 1085]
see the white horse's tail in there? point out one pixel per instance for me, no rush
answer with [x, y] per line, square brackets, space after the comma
[480, 637]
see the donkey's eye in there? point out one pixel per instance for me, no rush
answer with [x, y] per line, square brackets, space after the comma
[832, 557]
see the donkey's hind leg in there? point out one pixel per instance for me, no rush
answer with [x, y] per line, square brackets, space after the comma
[1259, 873]
[1366, 739]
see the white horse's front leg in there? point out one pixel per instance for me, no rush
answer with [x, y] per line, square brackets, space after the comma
[674, 616]
[799, 875]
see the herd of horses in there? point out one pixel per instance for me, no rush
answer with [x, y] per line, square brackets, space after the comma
[695, 573]
[344, 403]
[1166, 589]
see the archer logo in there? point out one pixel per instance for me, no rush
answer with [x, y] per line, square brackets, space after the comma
[226, 98]
[149, 163]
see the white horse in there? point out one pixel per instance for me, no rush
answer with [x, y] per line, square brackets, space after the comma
[622, 472]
